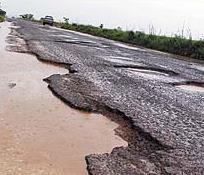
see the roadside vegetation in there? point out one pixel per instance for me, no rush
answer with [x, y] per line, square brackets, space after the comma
[2, 15]
[2, 18]
[177, 44]
[27, 17]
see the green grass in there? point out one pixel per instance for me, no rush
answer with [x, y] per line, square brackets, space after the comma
[175, 45]
[2, 18]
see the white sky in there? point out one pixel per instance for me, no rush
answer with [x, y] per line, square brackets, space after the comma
[165, 15]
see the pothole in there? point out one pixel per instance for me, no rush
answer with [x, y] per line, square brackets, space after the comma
[201, 68]
[146, 71]
[63, 36]
[122, 61]
[191, 86]
[146, 74]
[128, 46]
[141, 67]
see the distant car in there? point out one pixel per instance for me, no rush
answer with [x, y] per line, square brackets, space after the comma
[48, 20]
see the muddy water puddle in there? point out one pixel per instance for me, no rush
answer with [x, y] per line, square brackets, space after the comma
[38, 133]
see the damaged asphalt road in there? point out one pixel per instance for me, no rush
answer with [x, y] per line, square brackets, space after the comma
[163, 124]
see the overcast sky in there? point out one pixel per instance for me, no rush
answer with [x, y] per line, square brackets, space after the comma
[165, 15]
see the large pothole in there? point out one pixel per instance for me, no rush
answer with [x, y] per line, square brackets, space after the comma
[147, 72]
[191, 86]
[199, 67]
[147, 69]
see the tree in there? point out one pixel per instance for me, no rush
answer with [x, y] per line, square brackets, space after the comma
[101, 26]
[131, 35]
[119, 28]
[2, 12]
[27, 16]
[66, 20]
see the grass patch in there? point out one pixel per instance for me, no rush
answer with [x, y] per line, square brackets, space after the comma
[2, 18]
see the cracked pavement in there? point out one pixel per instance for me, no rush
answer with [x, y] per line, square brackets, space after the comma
[164, 124]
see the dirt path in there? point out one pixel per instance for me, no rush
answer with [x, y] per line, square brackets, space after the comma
[38, 133]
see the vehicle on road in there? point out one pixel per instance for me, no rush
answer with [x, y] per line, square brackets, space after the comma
[48, 20]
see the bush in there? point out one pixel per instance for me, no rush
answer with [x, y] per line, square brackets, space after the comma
[2, 13]
[27, 16]
[2, 18]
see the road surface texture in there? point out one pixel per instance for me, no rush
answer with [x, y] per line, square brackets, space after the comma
[157, 99]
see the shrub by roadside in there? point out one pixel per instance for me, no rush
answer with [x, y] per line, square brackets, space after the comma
[2, 18]
[2, 15]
